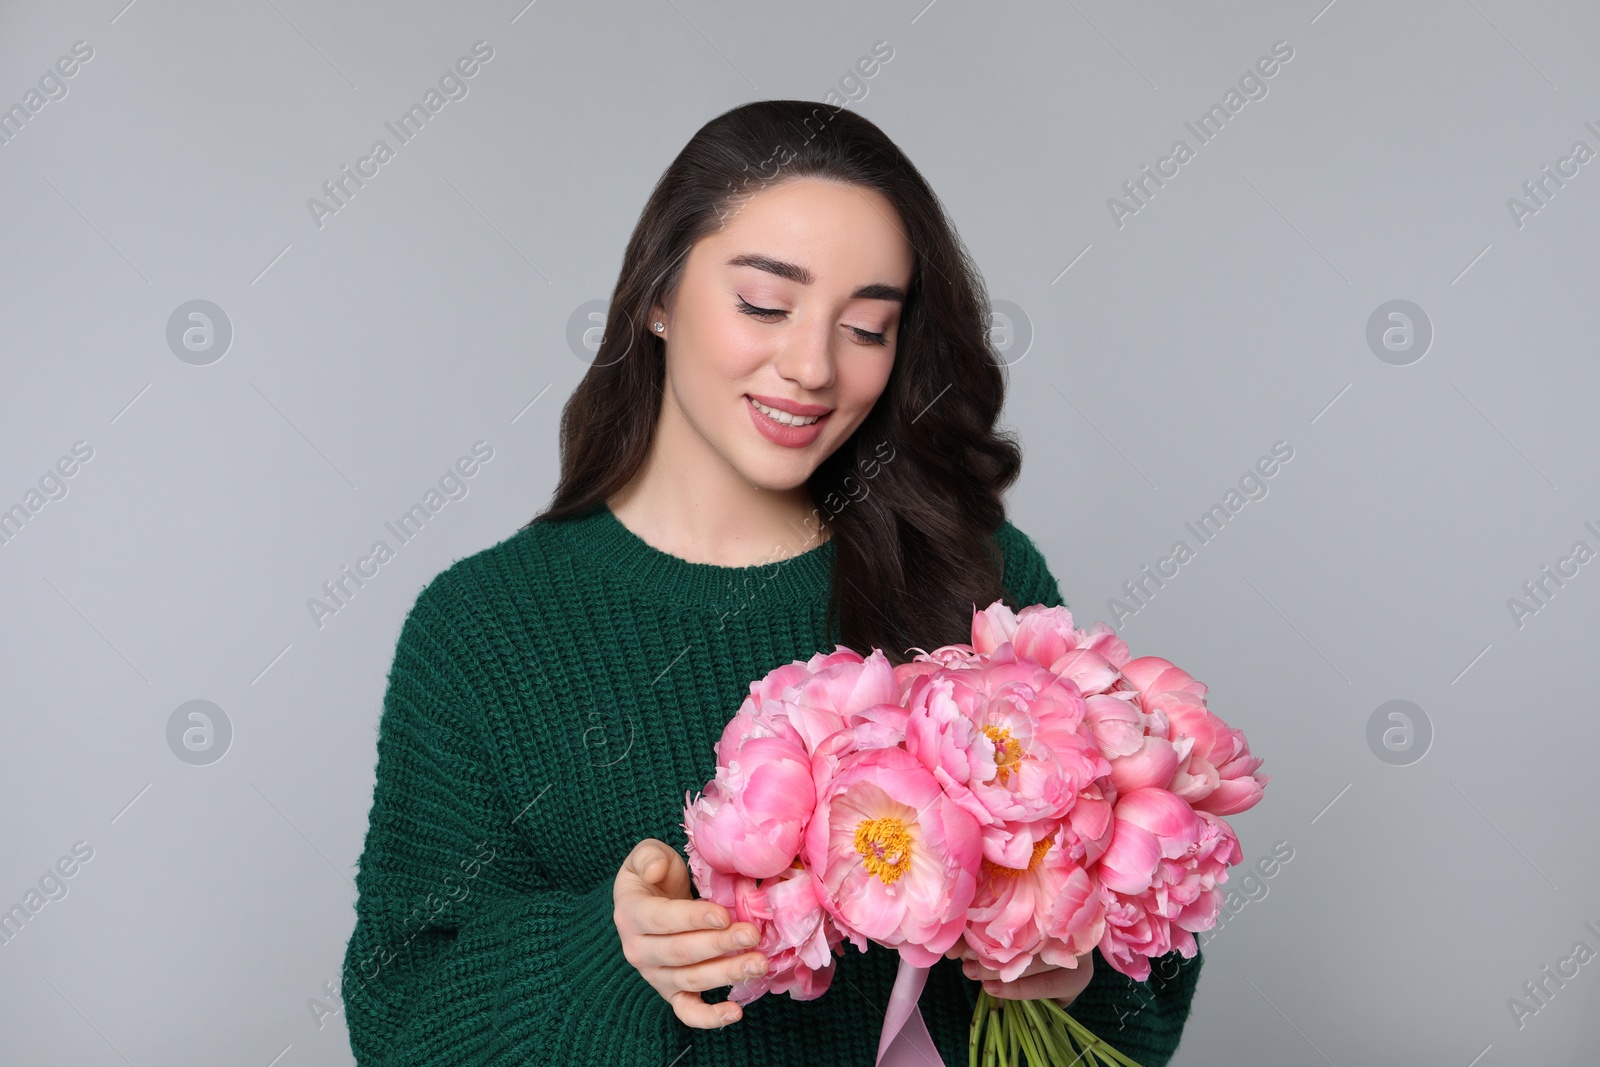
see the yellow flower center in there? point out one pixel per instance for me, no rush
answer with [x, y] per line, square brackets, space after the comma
[885, 848]
[1007, 751]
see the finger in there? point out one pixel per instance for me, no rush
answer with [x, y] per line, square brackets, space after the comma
[721, 971]
[972, 968]
[696, 946]
[676, 883]
[658, 868]
[975, 970]
[658, 915]
[1057, 982]
[650, 860]
[692, 1011]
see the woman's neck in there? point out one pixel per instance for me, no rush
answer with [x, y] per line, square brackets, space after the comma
[727, 526]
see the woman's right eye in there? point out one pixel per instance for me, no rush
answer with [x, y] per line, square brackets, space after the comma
[750, 309]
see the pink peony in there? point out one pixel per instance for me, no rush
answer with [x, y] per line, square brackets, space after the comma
[1136, 930]
[797, 936]
[752, 816]
[1006, 741]
[957, 655]
[1160, 877]
[1151, 825]
[1132, 937]
[1090, 658]
[859, 691]
[825, 694]
[1117, 721]
[895, 860]
[1184, 889]
[944, 658]
[1219, 774]
[1051, 910]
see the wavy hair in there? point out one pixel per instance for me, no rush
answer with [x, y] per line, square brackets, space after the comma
[913, 532]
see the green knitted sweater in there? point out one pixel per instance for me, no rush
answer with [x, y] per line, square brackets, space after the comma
[552, 700]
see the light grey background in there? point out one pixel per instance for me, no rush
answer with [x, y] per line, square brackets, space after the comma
[1167, 355]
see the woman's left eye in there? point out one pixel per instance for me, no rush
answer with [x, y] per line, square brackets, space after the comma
[868, 336]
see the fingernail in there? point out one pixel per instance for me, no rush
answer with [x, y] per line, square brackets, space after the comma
[746, 937]
[729, 1016]
[716, 919]
[755, 967]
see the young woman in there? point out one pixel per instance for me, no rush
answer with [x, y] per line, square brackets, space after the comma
[786, 442]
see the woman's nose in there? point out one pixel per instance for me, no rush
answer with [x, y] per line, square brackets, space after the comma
[808, 358]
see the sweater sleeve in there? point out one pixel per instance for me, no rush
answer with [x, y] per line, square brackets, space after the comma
[463, 951]
[1144, 1020]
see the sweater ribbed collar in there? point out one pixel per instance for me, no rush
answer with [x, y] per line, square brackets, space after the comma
[599, 539]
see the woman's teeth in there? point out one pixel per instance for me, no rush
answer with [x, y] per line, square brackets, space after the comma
[783, 416]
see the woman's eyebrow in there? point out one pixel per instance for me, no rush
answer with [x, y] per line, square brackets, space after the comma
[796, 273]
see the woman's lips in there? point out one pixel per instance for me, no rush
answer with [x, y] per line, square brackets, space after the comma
[793, 407]
[780, 434]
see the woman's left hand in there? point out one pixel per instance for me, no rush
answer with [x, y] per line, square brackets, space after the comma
[1038, 981]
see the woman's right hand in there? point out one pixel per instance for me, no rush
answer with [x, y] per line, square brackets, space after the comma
[679, 943]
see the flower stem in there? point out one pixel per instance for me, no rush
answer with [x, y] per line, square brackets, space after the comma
[1034, 1033]
[980, 1015]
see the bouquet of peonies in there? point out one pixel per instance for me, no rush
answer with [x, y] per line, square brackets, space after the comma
[1035, 793]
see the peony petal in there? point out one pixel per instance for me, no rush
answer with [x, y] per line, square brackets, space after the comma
[1130, 860]
[1231, 797]
[1152, 765]
[992, 627]
[1161, 813]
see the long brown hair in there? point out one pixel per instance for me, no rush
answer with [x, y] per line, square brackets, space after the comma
[913, 496]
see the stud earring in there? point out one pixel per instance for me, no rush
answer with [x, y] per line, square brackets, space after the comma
[660, 326]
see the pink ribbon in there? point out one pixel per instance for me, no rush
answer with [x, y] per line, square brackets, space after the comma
[905, 1041]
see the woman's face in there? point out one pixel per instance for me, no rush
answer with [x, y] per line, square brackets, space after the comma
[793, 304]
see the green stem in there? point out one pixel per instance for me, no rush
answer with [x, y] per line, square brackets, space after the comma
[1022, 1025]
[1062, 1049]
[980, 1016]
[1087, 1037]
[1038, 1030]
[1034, 1033]
[994, 1055]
